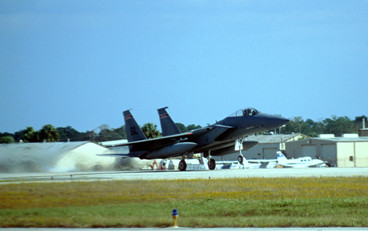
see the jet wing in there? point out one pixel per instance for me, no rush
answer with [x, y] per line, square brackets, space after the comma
[222, 126]
[217, 129]
[156, 143]
[222, 131]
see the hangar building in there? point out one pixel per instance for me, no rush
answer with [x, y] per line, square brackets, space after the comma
[347, 151]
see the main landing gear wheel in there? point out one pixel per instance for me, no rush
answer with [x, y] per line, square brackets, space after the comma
[240, 159]
[212, 164]
[182, 165]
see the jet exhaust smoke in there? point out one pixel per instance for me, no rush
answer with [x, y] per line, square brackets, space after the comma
[58, 157]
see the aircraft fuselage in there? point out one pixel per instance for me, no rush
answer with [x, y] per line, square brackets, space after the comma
[242, 126]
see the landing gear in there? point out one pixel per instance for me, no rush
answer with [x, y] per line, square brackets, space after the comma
[240, 158]
[182, 165]
[212, 164]
[239, 142]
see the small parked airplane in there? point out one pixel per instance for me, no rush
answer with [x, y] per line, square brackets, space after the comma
[301, 162]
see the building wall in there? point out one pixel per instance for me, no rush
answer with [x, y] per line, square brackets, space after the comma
[345, 154]
[318, 149]
[363, 132]
[352, 154]
[293, 149]
[301, 148]
[230, 157]
[328, 153]
[309, 150]
[361, 154]
[262, 151]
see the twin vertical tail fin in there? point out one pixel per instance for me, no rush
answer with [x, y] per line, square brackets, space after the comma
[133, 131]
[167, 124]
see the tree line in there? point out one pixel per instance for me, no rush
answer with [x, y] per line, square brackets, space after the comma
[334, 125]
[49, 133]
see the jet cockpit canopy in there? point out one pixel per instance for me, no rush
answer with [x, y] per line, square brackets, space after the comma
[245, 112]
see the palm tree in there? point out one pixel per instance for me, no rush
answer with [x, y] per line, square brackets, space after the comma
[30, 135]
[150, 130]
[49, 133]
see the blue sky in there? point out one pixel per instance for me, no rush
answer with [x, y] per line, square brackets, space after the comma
[81, 63]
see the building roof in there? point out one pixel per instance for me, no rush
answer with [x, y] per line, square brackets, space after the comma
[344, 139]
[276, 138]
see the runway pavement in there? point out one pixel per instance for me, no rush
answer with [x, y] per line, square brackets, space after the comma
[7, 178]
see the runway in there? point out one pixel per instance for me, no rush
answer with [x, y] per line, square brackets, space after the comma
[6, 178]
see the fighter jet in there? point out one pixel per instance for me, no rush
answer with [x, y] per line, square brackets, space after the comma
[215, 139]
[168, 128]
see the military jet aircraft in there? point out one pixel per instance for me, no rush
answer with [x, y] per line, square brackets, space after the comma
[168, 128]
[216, 139]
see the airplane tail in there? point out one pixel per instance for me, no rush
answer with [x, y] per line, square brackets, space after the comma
[133, 131]
[281, 157]
[167, 124]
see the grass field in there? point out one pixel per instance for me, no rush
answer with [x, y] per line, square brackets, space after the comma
[250, 202]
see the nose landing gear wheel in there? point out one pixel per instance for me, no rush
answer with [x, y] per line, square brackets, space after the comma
[240, 159]
[212, 164]
[182, 165]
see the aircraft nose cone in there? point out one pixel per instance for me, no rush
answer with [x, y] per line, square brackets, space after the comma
[273, 121]
[281, 120]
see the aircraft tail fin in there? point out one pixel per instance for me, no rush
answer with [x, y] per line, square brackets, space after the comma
[281, 157]
[167, 124]
[133, 131]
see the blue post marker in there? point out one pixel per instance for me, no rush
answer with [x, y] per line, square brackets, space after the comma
[175, 215]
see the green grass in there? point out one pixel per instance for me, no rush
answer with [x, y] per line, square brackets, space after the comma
[250, 202]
